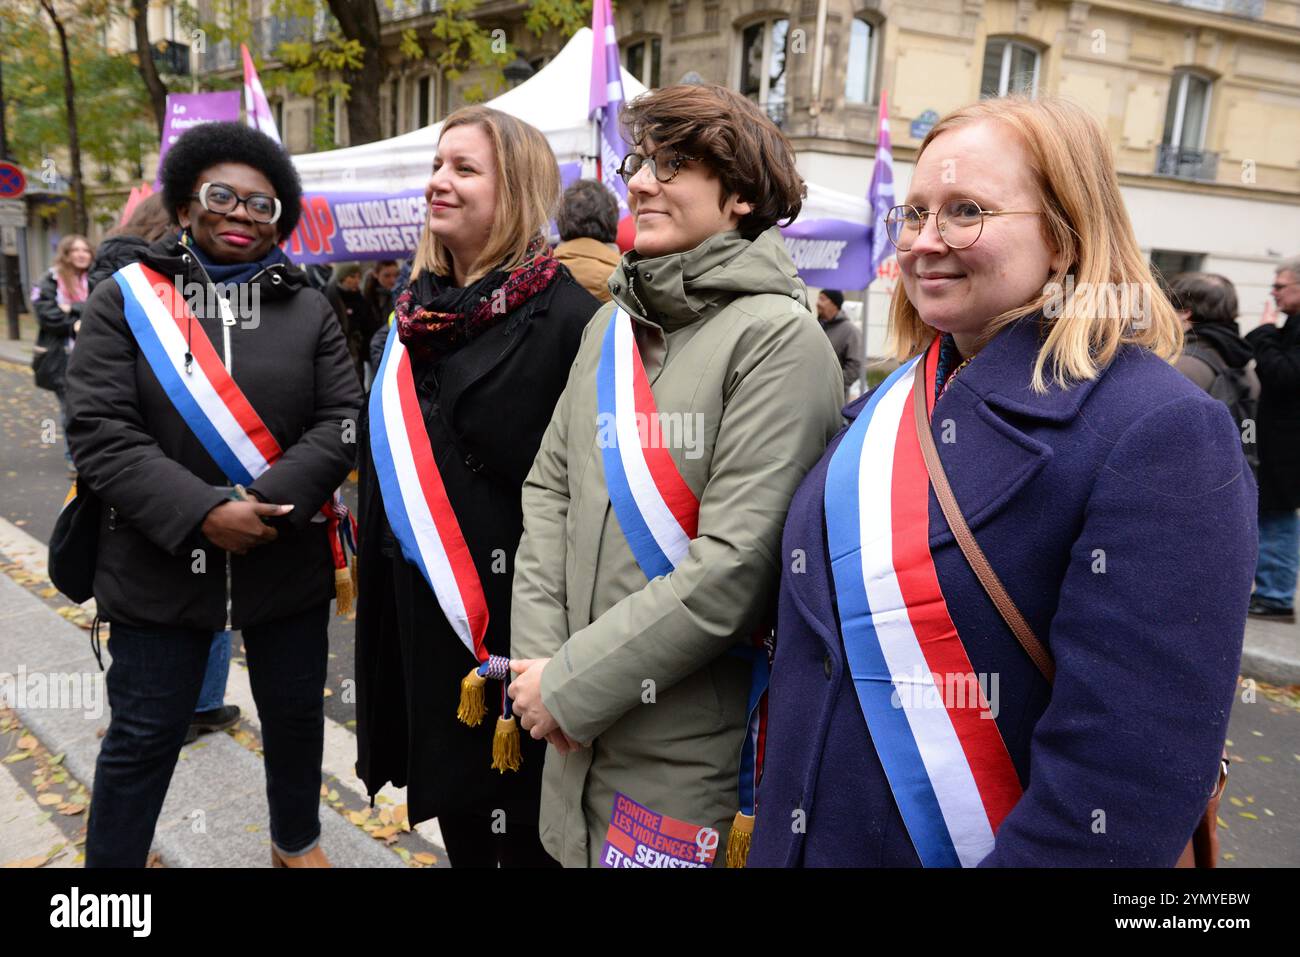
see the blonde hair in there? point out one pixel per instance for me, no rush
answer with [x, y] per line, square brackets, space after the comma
[1085, 221]
[63, 258]
[528, 191]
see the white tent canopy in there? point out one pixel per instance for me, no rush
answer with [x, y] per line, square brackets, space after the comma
[554, 100]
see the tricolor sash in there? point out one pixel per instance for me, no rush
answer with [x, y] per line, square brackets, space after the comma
[425, 526]
[659, 516]
[210, 401]
[415, 500]
[944, 756]
[205, 395]
[656, 509]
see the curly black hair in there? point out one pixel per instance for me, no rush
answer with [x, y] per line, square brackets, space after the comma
[209, 144]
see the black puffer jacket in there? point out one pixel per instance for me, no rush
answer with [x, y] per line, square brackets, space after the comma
[1277, 362]
[55, 326]
[157, 481]
[486, 407]
[114, 253]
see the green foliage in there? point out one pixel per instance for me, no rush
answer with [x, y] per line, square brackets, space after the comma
[114, 115]
[568, 16]
[410, 45]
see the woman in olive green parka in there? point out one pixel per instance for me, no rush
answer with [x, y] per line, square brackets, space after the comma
[632, 681]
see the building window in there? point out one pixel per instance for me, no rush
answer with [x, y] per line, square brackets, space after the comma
[762, 65]
[1188, 111]
[1168, 263]
[641, 59]
[423, 102]
[860, 71]
[1009, 67]
[338, 118]
[1187, 116]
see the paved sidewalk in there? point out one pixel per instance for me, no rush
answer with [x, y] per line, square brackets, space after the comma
[215, 814]
[1272, 652]
[19, 350]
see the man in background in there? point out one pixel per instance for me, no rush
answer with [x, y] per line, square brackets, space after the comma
[1277, 362]
[844, 335]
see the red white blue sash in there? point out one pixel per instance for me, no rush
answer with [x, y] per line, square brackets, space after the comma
[656, 509]
[947, 764]
[205, 395]
[415, 500]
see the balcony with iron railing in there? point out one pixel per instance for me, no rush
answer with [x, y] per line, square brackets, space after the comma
[1198, 165]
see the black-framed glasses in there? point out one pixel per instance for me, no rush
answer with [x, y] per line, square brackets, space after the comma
[664, 165]
[1279, 286]
[220, 198]
[960, 222]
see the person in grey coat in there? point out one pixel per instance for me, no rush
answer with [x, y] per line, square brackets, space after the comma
[843, 333]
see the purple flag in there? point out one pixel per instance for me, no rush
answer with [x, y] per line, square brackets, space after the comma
[607, 98]
[880, 195]
[187, 110]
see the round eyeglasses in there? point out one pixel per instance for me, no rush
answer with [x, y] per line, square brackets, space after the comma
[960, 222]
[664, 165]
[220, 198]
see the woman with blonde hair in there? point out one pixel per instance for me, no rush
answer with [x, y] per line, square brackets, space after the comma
[1028, 556]
[60, 297]
[484, 335]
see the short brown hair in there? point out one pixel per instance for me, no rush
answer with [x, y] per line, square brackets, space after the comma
[735, 139]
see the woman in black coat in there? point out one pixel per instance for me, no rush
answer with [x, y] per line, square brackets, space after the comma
[491, 323]
[195, 538]
[60, 297]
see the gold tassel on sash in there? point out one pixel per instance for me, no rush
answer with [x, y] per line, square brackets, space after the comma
[738, 841]
[506, 755]
[344, 591]
[473, 708]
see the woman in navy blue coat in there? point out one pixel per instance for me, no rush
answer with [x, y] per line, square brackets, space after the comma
[1110, 495]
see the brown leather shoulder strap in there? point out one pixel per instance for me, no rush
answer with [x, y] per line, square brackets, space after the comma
[969, 547]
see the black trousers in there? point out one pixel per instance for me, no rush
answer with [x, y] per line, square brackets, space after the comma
[153, 686]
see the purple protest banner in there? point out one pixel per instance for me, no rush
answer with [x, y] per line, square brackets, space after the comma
[829, 253]
[188, 110]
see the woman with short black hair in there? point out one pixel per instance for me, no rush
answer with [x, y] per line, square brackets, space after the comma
[212, 405]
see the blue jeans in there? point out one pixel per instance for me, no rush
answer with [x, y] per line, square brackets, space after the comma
[213, 693]
[1279, 557]
[153, 684]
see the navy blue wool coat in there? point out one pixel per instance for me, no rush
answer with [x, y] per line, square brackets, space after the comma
[1120, 515]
